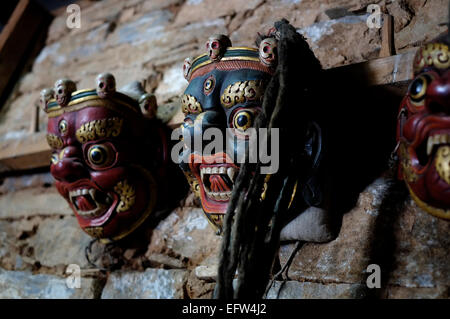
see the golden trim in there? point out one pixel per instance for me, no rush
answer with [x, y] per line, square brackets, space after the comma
[293, 194]
[94, 231]
[190, 105]
[437, 212]
[241, 92]
[242, 48]
[99, 102]
[127, 195]
[54, 141]
[405, 161]
[94, 130]
[442, 163]
[151, 205]
[193, 183]
[432, 54]
[228, 49]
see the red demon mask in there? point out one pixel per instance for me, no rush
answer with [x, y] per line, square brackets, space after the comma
[423, 131]
[108, 158]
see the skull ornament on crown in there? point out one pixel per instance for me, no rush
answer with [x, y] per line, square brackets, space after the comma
[109, 155]
[226, 88]
[423, 130]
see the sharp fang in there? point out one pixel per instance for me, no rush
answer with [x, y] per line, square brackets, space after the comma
[230, 173]
[429, 145]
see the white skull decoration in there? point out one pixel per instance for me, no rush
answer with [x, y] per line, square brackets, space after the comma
[148, 105]
[187, 67]
[106, 85]
[63, 91]
[268, 51]
[216, 46]
[46, 95]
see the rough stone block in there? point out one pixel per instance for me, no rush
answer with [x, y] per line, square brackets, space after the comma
[25, 285]
[310, 290]
[151, 284]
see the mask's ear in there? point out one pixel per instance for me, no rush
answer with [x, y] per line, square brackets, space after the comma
[312, 189]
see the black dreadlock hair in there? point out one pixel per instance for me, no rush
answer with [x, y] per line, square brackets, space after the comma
[252, 226]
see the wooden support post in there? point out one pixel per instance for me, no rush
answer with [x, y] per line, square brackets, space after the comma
[387, 37]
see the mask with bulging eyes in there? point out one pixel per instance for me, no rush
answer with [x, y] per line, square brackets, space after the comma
[110, 160]
[225, 93]
[423, 130]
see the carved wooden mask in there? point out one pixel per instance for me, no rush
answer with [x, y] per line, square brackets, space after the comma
[108, 158]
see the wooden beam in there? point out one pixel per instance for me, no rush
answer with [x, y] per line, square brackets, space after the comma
[387, 37]
[32, 151]
[393, 70]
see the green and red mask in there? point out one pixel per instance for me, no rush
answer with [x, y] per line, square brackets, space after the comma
[225, 91]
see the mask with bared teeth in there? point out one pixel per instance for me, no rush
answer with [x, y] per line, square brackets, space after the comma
[423, 130]
[225, 91]
[109, 155]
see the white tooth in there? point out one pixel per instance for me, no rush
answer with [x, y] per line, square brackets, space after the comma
[230, 173]
[429, 145]
[223, 195]
[208, 170]
[222, 170]
[201, 175]
[215, 170]
[443, 139]
[203, 170]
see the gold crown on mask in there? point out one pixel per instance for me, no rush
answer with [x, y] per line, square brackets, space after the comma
[65, 97]
[223, 56]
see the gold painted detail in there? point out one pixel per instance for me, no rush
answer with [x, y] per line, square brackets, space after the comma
[443, 163]
[127, 195]
[189, 104]
[241, 92]
[216, 221]
[438, 212]
[408, 173]
[432, 54]
[96, 232]
[97, 129]
[54, 141]
[193, 183]
[265, 186]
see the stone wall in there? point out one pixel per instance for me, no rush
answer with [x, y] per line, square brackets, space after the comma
[148, 41]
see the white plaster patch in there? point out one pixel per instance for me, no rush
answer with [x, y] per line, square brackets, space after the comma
[173, 82]
[49, 50]
[194, 2]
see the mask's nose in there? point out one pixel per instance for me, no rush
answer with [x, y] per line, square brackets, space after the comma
[69, 168]
[438, 95]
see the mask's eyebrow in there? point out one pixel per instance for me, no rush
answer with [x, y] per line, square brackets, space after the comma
[241, 92]
[97, 129]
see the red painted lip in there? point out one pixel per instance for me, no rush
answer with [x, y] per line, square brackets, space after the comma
[86, 221]
[217, 160]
